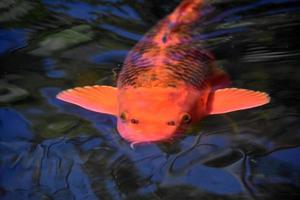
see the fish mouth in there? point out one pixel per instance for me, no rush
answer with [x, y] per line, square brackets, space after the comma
[139, 136]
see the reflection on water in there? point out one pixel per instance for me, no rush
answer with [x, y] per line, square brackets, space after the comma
[53, 150]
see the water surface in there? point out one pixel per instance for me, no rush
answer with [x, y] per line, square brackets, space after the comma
[53, 150]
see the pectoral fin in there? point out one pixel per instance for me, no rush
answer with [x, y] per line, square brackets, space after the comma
[233, 99]
[97, 98]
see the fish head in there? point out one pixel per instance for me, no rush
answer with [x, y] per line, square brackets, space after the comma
[154, 114]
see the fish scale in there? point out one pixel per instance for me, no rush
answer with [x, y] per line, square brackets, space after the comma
[168, 53]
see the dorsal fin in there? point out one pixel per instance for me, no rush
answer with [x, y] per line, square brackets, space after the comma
[178, 23]
[188, 11]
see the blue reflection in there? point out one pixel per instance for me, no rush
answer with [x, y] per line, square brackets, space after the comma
[111, 56]
[49, 66]
[11, 39]
[78, 10]
[129, 12]
[13, 126]
[288, 155]
[91, 144]
[121, 32]
[219, 33]
[47, 168]
[89, 12]
[215, 180]
[279, 167]
[286, 10]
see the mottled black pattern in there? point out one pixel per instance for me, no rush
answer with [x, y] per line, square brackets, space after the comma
[189, 63]
[185, 61]
[145, 46]
[135, 64]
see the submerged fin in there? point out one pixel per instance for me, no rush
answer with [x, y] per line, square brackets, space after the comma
[219, 79]
[233, 99]
[97, 98]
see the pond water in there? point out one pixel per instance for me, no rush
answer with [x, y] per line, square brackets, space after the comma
[53, 150]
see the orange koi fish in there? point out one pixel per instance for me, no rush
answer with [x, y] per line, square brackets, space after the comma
[167, 82]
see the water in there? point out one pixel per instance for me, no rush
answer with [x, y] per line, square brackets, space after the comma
[53, 150]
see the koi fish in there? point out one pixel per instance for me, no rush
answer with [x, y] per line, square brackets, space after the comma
[168, 81]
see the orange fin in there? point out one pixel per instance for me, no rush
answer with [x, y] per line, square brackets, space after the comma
[233, 99]
[97, 98]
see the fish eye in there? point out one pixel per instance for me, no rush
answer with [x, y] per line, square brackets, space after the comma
[123, 116]
[171, 123]
[186, 118]
[134, 121]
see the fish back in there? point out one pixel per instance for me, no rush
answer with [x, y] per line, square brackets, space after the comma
[168, 55]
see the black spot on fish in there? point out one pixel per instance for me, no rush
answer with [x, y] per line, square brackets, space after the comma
[165, 38]
[153, 77]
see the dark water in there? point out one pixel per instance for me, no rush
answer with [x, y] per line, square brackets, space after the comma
[53, 150]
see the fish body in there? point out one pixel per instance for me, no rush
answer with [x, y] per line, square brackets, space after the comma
[168, 81]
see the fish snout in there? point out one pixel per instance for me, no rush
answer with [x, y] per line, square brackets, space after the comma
[145, 133]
